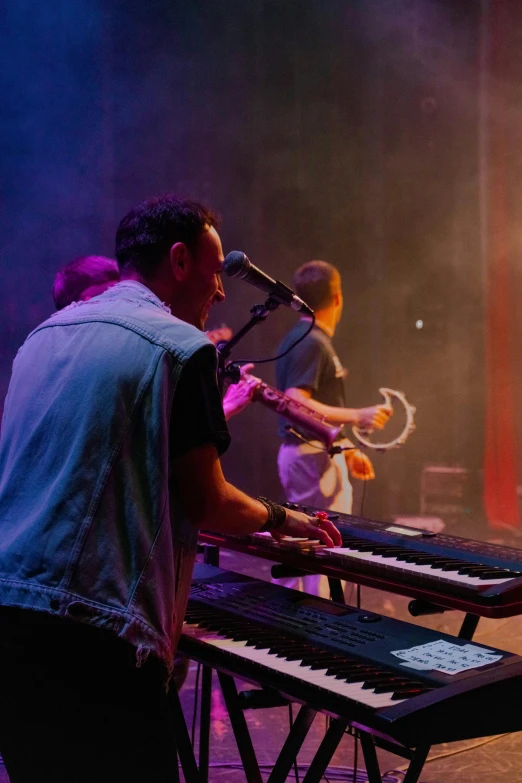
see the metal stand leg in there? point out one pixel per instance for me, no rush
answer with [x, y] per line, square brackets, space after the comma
[325, 752]
[204, 723]
[417, 762]
[469, 626]
[292, 745]
[371, 762]
[336, 589]
[211, 555]
[182, 740]
[240, 729]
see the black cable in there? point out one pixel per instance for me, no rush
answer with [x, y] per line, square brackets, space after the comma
[339, 449]
[331, 451]
[279, 356]
[305, 440]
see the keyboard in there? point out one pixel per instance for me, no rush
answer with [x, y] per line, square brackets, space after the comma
[391, 678]
[456, 573]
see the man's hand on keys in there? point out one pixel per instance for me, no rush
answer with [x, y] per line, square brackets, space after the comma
[299, 525]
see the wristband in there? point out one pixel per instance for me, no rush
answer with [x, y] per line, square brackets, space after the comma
[276, 515]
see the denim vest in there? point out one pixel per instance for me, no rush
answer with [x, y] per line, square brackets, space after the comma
[91, 527]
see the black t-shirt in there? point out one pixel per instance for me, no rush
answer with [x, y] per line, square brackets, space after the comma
[197, 410]
[312, 365]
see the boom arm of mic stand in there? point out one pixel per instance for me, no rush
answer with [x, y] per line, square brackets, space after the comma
[259, 313]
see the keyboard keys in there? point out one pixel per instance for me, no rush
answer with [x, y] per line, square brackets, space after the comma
[419, 564]
[368, 684]
[352, 690]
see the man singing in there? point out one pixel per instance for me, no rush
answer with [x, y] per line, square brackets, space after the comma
[109, 464]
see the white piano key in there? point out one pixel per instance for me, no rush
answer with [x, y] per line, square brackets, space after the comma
[414, 568]
[316, 677]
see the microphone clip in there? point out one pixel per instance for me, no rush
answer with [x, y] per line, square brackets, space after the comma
[224, 348]
[259, 314]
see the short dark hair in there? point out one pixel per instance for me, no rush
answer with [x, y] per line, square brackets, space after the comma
[149, 230]
[313, 282]
[82, 273]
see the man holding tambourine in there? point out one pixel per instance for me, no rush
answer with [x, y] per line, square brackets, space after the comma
[312, 374]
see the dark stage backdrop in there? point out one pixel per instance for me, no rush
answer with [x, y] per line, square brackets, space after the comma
[348, 130]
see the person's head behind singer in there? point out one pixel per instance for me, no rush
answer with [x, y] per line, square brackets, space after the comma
[319, 285]
[83, 278]
[172, 246]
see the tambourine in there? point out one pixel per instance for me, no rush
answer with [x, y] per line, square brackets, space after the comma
[361, 436]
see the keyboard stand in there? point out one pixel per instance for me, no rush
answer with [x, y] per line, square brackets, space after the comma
[291, 747]
[419, 608]
[182, 740]
[336, 590]
[329, 744]
[469, 626]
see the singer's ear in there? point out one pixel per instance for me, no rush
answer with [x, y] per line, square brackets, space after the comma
[179, 260]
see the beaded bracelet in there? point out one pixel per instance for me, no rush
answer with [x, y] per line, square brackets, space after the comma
[276, 515]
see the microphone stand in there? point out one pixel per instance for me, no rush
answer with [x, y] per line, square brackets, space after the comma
[224, 348]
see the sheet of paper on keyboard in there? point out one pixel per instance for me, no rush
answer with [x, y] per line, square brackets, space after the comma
[446, 657]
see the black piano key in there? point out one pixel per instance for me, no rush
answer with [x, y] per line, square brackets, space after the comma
[282, 645]
[437, 561]
[323, 662]
[378, 679]
[391, 686]
[454, 565]
[408, 693]
[500, 572]
[345, 665]
[497, 575]
[472, 569]
[264, 644]
[421, 559]
[310, 658]
[294, 650]
[356, 676]
[335, 668]
[359, 665]
[294, 656]
[346, 671]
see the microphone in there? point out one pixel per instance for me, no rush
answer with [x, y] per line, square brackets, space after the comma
[237, 264]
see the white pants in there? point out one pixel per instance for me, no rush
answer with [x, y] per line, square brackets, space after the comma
[311, 478]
